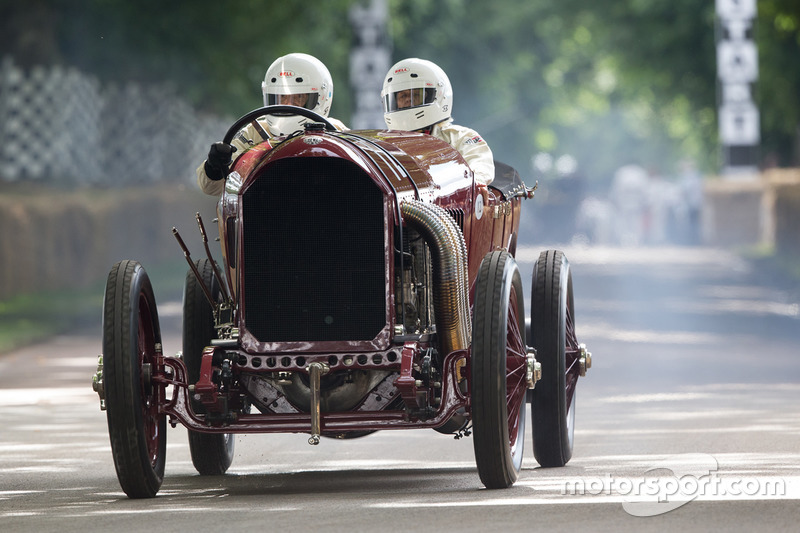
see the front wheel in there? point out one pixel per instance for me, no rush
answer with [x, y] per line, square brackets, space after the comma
[212, 453]
[553, 337]
[131, 351]
[498, 371]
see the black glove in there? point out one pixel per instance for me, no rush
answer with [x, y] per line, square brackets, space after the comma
[219, 158]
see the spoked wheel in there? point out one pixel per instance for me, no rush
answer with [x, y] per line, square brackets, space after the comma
[131, 346]
[498, 374]
[553, 336]
[212, 453]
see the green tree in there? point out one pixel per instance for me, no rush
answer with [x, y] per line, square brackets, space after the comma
[214, 52]
[608, 81]
[778, 37]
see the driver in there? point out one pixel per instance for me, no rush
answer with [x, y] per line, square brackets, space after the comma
[295, 79]
[417, 96]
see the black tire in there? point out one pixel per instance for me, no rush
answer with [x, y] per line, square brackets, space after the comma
[212, 453]
[553, 337]
[130, 334]
[498, 371]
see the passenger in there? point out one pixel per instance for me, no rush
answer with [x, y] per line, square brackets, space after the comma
[417, 96]
[295, 79]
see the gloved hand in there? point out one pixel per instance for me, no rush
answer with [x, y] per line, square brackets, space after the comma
[218, 160]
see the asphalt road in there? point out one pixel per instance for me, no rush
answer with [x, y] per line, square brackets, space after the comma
[687, 421]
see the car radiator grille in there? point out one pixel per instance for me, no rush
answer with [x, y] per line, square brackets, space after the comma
[314, 259]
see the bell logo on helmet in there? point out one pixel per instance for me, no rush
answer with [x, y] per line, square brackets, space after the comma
[401, 70]
[287, 73]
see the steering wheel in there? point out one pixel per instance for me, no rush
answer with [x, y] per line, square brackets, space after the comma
[274, 110]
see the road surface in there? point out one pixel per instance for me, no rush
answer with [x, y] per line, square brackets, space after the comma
[687, 421]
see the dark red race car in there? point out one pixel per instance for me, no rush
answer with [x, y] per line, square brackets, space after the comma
[367, 284]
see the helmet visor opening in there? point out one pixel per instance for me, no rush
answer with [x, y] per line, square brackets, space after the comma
[306, 100]
[409, 98]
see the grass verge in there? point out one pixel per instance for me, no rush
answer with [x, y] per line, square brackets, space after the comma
[30, 318]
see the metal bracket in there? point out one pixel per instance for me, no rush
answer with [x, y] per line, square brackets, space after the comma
[315, 372]
[98, 385]
[502, 210]
[406, 383]
[534, 368]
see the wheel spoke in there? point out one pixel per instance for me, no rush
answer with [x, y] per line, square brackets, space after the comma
[498, 373]
[553, 327]
[146, 351]
[131, 335]
[516, 370]
[572, 357]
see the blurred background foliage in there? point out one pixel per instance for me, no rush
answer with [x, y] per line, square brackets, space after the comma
[609, 82]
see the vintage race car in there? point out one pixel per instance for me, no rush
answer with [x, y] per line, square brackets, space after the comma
[367, 284]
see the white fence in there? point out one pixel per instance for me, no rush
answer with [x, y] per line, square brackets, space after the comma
[62, 126]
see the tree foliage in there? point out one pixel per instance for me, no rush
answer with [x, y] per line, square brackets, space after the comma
[214, 51]
[778, 37]
[607, 81]
[586, 78]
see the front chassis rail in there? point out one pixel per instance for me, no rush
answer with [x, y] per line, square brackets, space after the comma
[179, 409]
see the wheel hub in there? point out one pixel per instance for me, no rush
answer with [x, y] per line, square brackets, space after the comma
[534, 368]
[98, 385]
[147, 378]
[585, 359]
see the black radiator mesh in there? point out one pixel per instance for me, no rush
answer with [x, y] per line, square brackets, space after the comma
[314, 252]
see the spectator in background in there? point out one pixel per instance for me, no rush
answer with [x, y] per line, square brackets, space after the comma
[691, 185]
[663, 206]
[629, 192]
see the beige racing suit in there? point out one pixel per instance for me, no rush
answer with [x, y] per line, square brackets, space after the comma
[251, 135]
[471, 146]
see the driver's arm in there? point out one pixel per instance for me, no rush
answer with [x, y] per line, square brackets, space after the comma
[244, 140]
[473, 149]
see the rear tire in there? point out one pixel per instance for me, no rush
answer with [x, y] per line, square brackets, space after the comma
[498, 371]
[553, 337]
[212, 453]
[130, 334]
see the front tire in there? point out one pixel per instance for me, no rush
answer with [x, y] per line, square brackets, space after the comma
[498, 371]
[553, 337]
[131, 346]
[212, 453]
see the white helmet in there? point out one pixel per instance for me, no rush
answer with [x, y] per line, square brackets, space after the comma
[296, 74]
[416, 95]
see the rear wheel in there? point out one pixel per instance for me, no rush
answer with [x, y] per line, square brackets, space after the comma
[131, 350]
[553, 337]
[212, 453]
[498, 371]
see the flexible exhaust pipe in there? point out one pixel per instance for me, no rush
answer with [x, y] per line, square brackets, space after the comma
[449, 258]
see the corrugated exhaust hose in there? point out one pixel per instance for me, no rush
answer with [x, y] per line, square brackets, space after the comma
[449, 255]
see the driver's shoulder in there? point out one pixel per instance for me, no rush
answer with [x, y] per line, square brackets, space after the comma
[462, 137]
[453, 130]
[250, 135]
